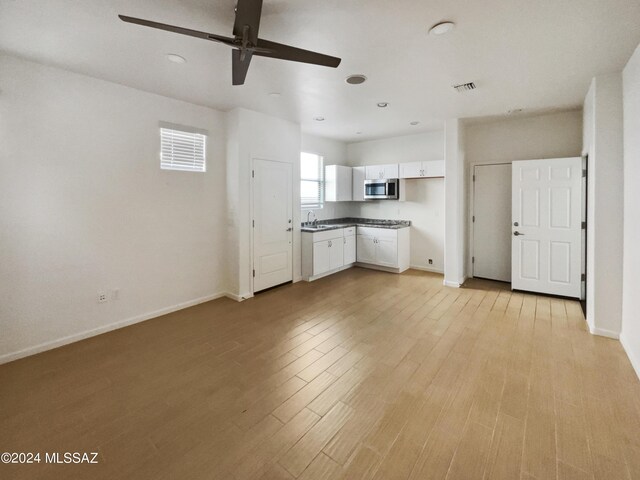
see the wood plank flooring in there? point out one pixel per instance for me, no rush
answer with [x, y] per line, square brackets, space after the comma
[361, 375]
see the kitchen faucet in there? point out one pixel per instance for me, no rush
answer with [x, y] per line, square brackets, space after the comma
[315, 219]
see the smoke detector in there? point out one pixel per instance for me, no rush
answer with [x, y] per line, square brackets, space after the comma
[464, 87]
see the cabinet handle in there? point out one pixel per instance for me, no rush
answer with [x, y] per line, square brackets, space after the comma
[329, 242]
[345, 240]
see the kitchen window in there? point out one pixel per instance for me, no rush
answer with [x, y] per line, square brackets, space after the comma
[182, 148]
[311, 180]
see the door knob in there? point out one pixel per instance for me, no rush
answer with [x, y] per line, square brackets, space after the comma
[289, 229]
[515, 224]
[517, 234]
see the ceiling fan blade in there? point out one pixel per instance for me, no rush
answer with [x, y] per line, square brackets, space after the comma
[294, 54]
[240, 66]
[183, 31]
[248, 13]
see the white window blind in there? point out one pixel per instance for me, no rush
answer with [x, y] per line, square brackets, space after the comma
[311, 180]
[182, 150]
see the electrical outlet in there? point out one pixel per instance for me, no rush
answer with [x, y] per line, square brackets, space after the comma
[102, 297]
[430, 261]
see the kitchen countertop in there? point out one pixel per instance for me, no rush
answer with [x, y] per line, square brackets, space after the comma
[335, 223]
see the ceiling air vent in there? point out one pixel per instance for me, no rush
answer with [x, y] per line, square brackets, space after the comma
[465, 87]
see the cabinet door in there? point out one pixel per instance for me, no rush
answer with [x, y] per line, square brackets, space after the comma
[390, 171]
[358, 184]
[387, 252]
[349, 249]
[321, 260]
[434, 168]
[373, 172]
[336, 248]
[411, 170]
[366, 249]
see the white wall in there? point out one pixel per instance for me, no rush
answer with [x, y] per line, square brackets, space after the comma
[630, 336]
[85, 207]
[334, 153]
[455, 211]
[424, 204]
[554, 135]
[255, 135]
[603, 142]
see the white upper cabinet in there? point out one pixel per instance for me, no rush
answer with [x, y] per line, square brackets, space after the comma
[338, 183]
[431, 168]
[358, 174]
[375, 172]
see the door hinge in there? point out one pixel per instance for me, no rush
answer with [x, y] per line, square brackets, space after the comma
[473, 259]
[584, 174]
[584, 225]
[473, 219]
[254, 272]
[583, 277]
[253, 174]
[474, 178]
[253, 223]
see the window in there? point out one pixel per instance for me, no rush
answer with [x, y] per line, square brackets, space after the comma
[182, 149]
[311, 180]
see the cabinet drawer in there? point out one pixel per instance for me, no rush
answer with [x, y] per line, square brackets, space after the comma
[327, 235]
[349, 231]
[378, 232]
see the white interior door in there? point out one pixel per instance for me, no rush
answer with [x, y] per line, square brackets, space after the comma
[272, 224]
[492, 222]
[546, 238]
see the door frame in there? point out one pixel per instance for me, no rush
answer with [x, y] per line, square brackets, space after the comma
[471, 193]
[251, 219]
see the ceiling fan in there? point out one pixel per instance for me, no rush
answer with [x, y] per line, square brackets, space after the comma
[245, 41]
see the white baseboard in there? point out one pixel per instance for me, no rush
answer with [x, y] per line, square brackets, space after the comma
[604, 333]
[238, 298]
[427, 269]
[59, 342]
[635, 361]
[458, 284]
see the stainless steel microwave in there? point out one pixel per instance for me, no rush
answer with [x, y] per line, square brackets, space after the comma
[384, 189]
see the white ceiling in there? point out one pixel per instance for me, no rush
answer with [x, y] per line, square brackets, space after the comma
[535, 55]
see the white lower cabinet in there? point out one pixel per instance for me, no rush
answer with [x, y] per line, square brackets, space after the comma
[327, 251]
[384, 247]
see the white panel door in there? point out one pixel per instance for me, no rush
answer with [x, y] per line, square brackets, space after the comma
[546, 226]
[349, 249]
[272, 227]
[492, 222]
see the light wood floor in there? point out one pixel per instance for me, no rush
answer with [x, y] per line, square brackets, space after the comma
[360, 375]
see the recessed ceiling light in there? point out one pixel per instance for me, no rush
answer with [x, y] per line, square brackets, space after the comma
[274, 94]
[319, 119]
[383, 104]
[172, 57]
[442, 28]
[415, 122]
[356, 79]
